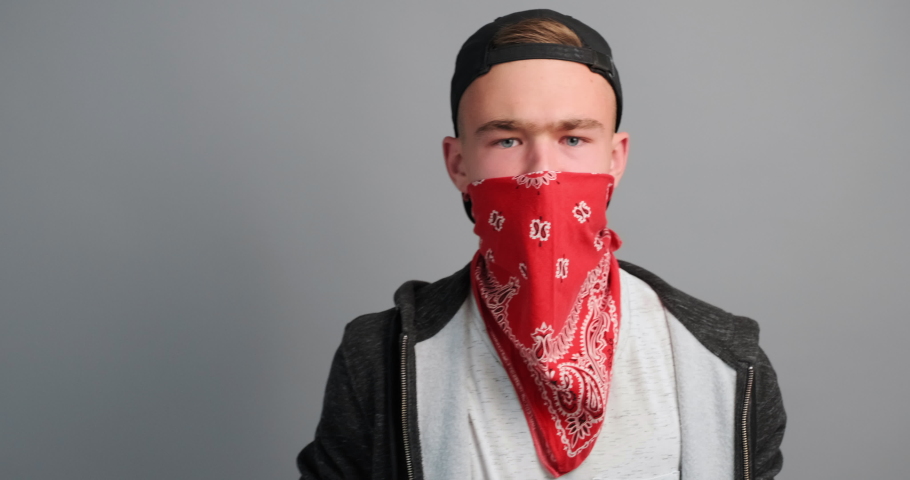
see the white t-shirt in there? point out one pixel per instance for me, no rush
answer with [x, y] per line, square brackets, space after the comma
[640, 438]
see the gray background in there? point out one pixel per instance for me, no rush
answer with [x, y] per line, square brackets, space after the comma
[195, 197]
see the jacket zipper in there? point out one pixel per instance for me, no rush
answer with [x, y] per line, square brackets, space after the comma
[747, 403]
[404, 406]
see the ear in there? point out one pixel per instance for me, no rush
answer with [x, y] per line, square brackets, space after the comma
[618, 155]
[452, 151]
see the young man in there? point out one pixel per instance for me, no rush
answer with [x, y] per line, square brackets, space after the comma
[545, 356]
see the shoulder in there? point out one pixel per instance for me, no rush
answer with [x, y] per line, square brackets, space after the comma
[426, 307]
[421, 308]
[731, 337]
[367, 336]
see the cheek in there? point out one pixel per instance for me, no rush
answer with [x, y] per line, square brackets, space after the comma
[594, 158]
[493, 162]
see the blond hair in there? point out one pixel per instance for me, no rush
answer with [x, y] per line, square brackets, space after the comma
[536, 30]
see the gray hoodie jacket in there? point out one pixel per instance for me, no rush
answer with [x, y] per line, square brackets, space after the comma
[369, 427]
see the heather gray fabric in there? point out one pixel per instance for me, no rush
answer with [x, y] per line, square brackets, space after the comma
[734, 339]
[706, 388]
[459, 372]
[357, 434]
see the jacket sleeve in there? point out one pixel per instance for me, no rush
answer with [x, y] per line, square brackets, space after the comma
[342, 446]
[769, 419]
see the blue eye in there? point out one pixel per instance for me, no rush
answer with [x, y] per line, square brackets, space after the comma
[507, 143]
[573, 141]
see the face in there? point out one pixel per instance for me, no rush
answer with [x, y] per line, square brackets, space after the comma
[532, 115]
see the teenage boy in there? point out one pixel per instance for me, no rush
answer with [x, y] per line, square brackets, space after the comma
[545, 356]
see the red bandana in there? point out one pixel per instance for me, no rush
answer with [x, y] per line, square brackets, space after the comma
[547, 285]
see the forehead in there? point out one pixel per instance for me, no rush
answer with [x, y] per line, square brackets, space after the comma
[539, 91]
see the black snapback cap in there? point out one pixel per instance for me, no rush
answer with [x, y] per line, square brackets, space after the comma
[477, 54]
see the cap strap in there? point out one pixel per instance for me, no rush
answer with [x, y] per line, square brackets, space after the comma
[554, 51]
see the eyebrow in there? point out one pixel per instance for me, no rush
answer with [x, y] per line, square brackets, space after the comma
[511, 125]
[504, 124]
[579, 123]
